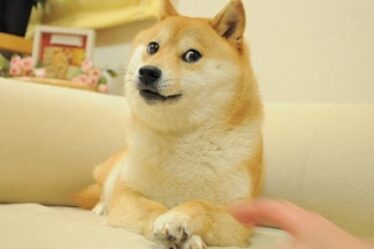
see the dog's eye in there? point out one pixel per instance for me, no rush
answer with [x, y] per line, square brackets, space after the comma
[191, 56]
[153, 48]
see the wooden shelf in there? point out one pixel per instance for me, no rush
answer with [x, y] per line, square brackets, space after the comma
[57, 82]
[14, 43]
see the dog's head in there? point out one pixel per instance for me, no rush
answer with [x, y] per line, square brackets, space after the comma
[184, 70]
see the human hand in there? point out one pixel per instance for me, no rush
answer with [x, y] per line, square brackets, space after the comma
[309, 230]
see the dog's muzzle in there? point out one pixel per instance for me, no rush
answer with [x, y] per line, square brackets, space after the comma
[148, 86]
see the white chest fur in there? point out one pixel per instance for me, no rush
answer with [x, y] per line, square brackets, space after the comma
[205, 164]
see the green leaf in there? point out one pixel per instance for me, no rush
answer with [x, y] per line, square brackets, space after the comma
[102, 81]
[112, 73]
[4, 64]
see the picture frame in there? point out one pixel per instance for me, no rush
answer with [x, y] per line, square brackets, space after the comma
[62, 50]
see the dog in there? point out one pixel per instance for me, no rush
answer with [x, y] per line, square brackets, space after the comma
[193, 134]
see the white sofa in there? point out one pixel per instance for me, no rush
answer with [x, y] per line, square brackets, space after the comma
[320, 156]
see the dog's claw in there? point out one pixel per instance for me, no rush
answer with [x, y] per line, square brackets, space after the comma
[171, 238]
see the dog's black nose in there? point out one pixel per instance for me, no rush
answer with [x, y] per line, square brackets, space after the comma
[149, 74]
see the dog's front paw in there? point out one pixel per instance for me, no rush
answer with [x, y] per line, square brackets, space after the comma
[174, 230]
[195, 242]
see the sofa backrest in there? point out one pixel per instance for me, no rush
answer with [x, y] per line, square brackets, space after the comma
[52, 137]
[319, 156]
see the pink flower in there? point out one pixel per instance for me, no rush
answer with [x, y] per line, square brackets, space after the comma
[27, 73]
[103, 88]
[27, 64]
[16, 61]
[40, 72]
[86, 66]
[15, 70]
[81, 79]
[93, 80]
[94, 72]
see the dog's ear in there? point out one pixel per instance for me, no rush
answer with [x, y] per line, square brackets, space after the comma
[230, 22]
[167, 9]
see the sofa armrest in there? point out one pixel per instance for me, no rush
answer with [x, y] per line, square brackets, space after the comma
[52, 137]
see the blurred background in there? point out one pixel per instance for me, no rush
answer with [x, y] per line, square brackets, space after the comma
[302, 51]
[307, 51]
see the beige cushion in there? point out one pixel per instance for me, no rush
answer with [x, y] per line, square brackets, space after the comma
[38, 227]
[320, 156]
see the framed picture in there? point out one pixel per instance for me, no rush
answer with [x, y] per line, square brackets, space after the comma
[62, 50]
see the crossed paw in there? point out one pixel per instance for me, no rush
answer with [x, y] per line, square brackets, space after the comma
[173, 229]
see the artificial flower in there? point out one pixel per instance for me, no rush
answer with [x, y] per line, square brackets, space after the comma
[27, 64]
[40, 72]
[103, 88]
[15, 70]
[86, 66]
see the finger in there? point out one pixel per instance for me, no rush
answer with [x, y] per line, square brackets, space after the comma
[282, 214]
[244, 211]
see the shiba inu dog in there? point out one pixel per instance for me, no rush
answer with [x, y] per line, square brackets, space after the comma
[194, 134]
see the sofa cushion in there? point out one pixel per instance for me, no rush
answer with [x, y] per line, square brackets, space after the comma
[35, 226]
[52, 137]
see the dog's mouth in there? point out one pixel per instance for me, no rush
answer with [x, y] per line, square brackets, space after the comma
[150, 95]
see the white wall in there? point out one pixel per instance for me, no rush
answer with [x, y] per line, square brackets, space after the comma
[302, 51]
[113, 47]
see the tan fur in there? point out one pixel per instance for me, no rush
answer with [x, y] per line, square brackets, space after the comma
[102, 171]
[190, 158]
[256, 172]
[167, 9]
[90, 196]
[129, 209]
[245, 105]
